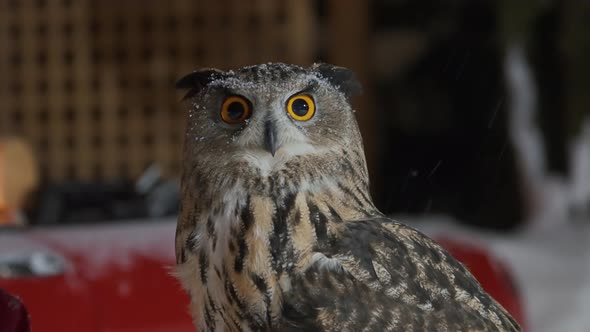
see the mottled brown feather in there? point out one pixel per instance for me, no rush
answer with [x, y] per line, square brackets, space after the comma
[292, 241]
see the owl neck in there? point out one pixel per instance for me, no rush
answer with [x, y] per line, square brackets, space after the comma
[261, 231]
[274, 219]
[337, 195]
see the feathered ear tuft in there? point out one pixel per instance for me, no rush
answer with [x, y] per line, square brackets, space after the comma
[341, 77]
[197, 80]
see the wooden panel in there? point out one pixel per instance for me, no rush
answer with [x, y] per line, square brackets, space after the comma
[90, 83]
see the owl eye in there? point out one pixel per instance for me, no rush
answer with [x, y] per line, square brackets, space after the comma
[235, 109]
[301, 107]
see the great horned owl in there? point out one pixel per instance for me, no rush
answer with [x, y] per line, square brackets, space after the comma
[278, 231]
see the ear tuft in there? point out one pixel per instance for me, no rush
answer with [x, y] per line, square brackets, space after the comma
[197, 80]
[341, 77]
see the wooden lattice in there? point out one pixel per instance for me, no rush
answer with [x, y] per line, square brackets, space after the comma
[90, 83]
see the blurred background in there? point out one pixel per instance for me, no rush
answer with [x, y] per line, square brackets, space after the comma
[475, 116]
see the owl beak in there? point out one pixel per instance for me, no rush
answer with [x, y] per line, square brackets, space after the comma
[270, 138]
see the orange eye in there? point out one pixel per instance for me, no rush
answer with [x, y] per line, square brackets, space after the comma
[301, 107]
[235, 109]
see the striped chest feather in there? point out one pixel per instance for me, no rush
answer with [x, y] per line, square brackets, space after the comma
[242, 253]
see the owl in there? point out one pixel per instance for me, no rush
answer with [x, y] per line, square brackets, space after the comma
[277, 229]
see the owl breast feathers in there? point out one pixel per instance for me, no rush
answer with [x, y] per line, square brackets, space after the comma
[277, 230]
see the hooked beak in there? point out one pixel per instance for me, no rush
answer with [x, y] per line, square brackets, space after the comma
[270, 138]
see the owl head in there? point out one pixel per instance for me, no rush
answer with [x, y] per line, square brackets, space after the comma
[267, 118]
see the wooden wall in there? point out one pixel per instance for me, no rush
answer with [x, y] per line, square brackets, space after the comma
[90, 83]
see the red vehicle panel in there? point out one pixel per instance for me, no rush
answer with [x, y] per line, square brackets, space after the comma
[117, 277]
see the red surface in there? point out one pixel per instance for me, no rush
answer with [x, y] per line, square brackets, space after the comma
[118, 279]
[111, 294]
[492, 274]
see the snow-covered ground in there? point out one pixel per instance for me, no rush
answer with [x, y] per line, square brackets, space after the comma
[550, 256]
[550, 265]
